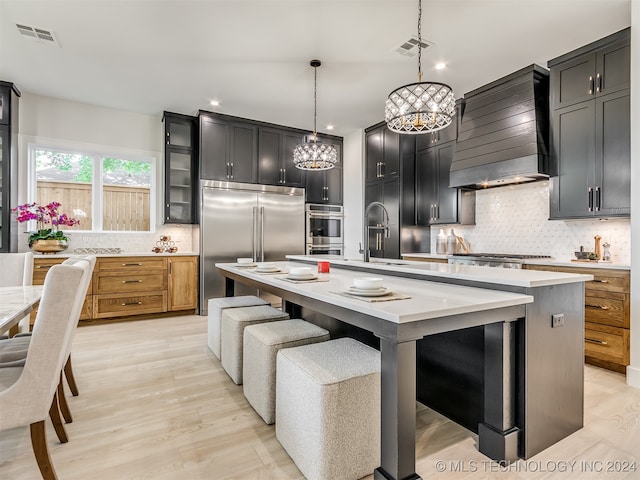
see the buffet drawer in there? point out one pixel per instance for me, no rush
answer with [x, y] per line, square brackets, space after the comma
[131, 263]
[129, 282]
[41, 267]
[123, 305]
[604, 280]
[610, 344]
[608, 308]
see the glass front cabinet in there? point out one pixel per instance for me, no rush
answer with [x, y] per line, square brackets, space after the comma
[9, 94]
[179, 163]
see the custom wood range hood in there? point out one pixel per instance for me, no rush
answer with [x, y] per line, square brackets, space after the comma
[503, 131]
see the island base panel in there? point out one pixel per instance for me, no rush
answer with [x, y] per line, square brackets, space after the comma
[499, 446]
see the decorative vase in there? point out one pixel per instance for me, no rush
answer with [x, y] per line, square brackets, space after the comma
[49, 246]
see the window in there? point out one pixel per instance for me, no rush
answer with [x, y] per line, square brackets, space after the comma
[105, 193]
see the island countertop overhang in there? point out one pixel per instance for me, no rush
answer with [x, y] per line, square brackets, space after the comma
[503, 277]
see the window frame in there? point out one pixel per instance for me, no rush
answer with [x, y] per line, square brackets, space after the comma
[98, 155]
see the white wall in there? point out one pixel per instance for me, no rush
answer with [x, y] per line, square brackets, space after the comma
[58, 122]
[353, 188]
[633, 371]
[514, 219]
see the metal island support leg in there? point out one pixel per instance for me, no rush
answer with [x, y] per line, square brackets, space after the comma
[398, 411]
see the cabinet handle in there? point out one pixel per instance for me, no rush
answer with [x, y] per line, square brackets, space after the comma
[131, 281]
[131, 264]
[593, 340]
[601, 307]
[284, 175]
[590, 199]
[600, 281]
[126, 304]
[599, 84]
[591, 85]
[44, 267]
[597, 206]
[231, 169]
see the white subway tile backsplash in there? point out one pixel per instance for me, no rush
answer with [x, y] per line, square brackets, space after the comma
[515, 219]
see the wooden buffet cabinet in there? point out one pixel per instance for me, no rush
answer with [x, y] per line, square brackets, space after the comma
[126, 286]
[606, 315]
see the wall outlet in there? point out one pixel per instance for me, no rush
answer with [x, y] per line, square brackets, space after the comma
[557, 320]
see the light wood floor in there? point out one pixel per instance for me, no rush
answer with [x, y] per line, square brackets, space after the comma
[155, 404]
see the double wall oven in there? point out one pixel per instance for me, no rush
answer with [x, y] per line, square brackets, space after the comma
[325, 229]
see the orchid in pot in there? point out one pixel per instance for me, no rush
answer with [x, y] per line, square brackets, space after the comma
[48, 238]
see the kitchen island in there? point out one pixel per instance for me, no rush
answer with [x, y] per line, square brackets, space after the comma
[515, 331]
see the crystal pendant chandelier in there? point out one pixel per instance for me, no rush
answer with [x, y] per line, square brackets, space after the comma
[421, 107]
[315, 155]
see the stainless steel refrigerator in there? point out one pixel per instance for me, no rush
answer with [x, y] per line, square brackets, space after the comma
[244, 220]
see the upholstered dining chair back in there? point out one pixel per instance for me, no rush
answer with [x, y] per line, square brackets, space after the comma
[16, 269]
[29, 397]
[88, 262]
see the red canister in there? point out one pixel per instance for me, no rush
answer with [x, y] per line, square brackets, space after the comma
[323, 267]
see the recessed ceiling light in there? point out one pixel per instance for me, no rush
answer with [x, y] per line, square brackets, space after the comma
[329, 127]
[441, 66]
[215, 103]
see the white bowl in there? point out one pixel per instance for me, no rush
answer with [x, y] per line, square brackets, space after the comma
[367, 283]
[245, 260]
[300, 271]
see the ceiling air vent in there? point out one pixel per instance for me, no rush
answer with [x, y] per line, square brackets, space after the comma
[37, 34]
[410, 47]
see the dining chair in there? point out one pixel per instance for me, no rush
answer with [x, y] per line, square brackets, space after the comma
[17, 271]
[29, 393]
[13, 351]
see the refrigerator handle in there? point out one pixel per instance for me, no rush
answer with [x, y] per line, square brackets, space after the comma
[254, 253]
[262, 234]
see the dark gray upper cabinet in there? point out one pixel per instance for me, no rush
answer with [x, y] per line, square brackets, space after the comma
[275, 158]
[591, 137]
[436, 202]
[180, 168]
[600, 68]
[228, 150]
[325, 186]
[382, 153]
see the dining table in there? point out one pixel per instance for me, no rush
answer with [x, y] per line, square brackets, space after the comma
[16, 303]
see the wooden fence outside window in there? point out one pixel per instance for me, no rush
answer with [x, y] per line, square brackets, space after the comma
[123, 208]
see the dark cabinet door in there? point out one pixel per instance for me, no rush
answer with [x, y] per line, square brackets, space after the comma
[373, 155]
[447, 204]
[333, 183]
[573, 159]
[214, 157]
[5, 213]
[391, 153]
[612, 155]
[315, 183]
[408, 180]
[269, 154]
[243, 154]
[291, 176]
[573, 81]
[613, 69]
[426, 193]
[179, 168]
[388, 193]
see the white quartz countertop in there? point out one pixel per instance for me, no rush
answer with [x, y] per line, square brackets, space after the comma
[124, 254]
[542, 261]
[498, 276]
[429, 300]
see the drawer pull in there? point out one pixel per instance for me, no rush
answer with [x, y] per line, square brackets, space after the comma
[601, 307]
[44, 267]
[131, 264]
[601, 281]
[592, 340]
[131, 281]
[131, 303]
